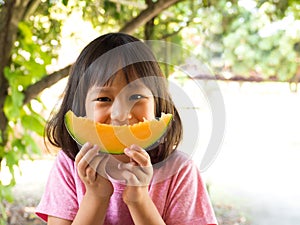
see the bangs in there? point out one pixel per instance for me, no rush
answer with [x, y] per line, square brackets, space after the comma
[134, 59]
[129, 72]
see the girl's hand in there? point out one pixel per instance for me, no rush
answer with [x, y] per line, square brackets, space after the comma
[137, 174]
[91, 169]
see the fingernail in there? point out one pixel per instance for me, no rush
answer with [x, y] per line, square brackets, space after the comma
[87, 144]
[134, 146]
[127, 151]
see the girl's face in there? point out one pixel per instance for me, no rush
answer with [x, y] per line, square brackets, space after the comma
[120, 102]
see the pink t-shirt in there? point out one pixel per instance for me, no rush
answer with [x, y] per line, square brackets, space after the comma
[176, 189]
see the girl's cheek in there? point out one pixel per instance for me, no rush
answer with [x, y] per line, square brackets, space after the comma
[100, 114]
[144, 111]
[102, 118]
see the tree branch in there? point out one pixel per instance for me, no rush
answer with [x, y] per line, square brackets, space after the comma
[35, 89]
[31, 8]
[239, 78]
[187, 23]
[175, 32]
[147, 15]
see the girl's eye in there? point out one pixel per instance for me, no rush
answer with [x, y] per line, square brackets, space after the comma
[103, 99]
[136, 97]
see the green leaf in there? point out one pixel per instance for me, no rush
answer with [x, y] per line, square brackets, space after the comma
[26, 31]
[282, 73]
[3, 212]
[265, 44]
[12, 160]
[11, 112]
[33, 123]
[19, 146]
[240, 69]
[6, 193]
[34, 148]
[7, 73]
[35, 70]
[65, 2]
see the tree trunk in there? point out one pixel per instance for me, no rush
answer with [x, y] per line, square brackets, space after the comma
[12, 12]
[149, 26]
[149, 29]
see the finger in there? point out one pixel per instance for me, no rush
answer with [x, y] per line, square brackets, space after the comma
[138, 155]
[90, 154]
[84, 149]
[80, 164]
[101, 166]
[93, 164]
[96, 165]
[127, 166]
[90, 174]
[136, 170]
[130, 178]
[137, 148]
[132, 162]
[141, 159]
[86, 159]
[143, 174]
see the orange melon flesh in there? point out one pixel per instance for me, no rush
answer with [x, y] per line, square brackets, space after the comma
[113, 139]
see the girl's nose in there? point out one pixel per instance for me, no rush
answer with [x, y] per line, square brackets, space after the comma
[120, 113]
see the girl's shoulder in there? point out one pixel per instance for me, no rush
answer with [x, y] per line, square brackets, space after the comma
[63, 162]
[177, 159]
[61, 156]
[177, 164]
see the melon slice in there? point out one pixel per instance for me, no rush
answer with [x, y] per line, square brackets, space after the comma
[113, 139]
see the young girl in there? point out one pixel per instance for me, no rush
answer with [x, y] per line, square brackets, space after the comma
[116, 80]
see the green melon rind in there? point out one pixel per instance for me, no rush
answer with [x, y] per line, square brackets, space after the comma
[156, 142]
[68, 122]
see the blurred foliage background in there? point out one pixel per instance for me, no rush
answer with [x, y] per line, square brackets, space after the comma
[239, 39]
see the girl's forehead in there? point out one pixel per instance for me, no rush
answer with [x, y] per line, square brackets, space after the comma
[119, 83]
[129, 78]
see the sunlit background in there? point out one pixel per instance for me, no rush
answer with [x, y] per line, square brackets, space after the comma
[255, 174]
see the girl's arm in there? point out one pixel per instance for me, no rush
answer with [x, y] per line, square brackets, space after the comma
[91, 170]
[138, 174]
[92, 211]
[144, 211]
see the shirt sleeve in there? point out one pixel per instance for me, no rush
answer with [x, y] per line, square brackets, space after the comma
[59, 198]
[188, 200]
